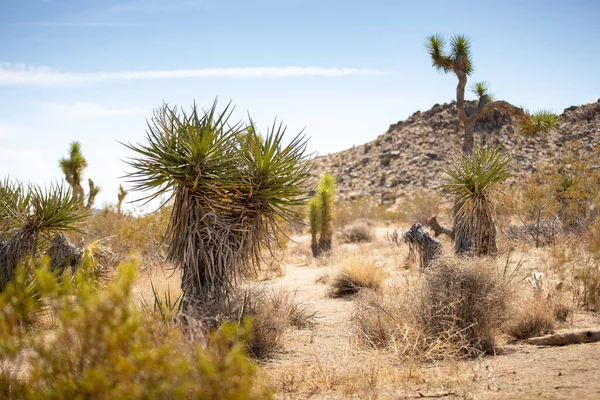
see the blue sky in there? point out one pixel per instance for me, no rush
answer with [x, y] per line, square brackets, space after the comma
[93, 70]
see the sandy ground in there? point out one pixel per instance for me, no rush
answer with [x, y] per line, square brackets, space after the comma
[322, 363]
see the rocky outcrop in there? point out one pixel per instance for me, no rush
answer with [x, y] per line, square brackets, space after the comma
[413, 153]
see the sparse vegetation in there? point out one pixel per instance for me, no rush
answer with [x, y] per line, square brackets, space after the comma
[466, 300]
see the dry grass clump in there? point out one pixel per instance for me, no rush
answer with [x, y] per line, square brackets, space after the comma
[359, 231]
[355, 274]
[587, 290]
[534, 318]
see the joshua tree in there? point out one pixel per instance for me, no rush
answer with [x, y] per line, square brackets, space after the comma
[231, 192]
[472, 179]
[459, 62]
[326, 196]
[32, 217]
[314, 223]
[121, 196]
[73, 168]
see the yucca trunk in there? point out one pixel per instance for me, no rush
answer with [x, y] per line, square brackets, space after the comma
[474, 228]
[211, 247]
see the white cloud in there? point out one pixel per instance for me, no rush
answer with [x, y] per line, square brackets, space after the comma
[83, 110]
[27, 75]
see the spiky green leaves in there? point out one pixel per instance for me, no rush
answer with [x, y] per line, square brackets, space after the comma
[471, 179]
[226, 164]
[477, 174]
[196, 150]
[275, 173]
[232, 190]
[321, 214]
[435, 47]
[482, 91]
[51, 209]
[537, 123]
[458, 60]
[29, 215]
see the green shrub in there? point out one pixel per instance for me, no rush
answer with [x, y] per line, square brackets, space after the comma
[102, 346]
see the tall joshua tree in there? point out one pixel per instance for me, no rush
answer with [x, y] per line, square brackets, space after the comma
[459, 61]
[73, 167]
[231, 191]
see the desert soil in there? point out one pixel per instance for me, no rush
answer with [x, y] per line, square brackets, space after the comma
[322, 362]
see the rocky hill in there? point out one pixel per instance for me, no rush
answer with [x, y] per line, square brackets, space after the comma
[413, 153]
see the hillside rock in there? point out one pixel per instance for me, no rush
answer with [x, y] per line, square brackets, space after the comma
[413, 153]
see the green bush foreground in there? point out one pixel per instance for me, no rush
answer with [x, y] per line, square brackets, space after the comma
[67, 338]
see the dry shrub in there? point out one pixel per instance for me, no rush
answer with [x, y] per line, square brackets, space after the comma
[466, 299]
[273, 311]
[356, 273]
[379, 317]
[457, 309]
[359, 231]
[587, 290]
[533, 318]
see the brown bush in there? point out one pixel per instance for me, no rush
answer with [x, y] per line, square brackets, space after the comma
[359, 231]
[467, 299]
[355, 274]
[273, 312]
[534, 318]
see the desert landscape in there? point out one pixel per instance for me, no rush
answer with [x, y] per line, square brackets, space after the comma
[159, 245]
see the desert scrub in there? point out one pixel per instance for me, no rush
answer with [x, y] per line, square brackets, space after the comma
[534, 317]
[105, 347]
[272, 312]
[466, 299]
[456, 310]
[355, 274]
[359, 231]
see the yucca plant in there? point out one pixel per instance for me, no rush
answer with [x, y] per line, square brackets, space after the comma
[314, 224]
[231, 189]
[471, 180]
[459, 61]
[31, 219]
[326, 196]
